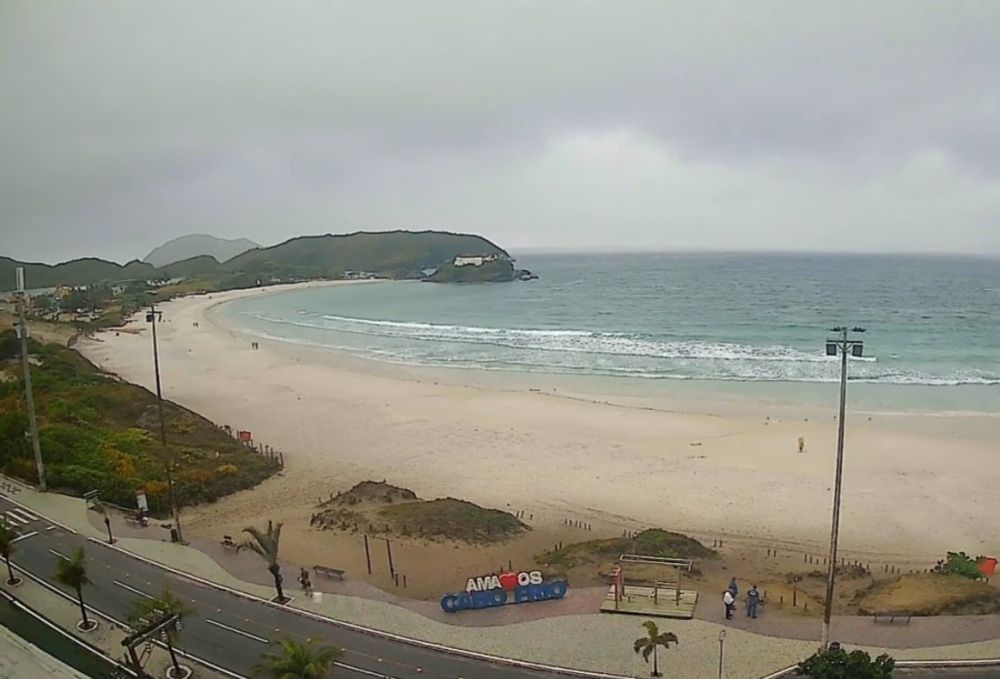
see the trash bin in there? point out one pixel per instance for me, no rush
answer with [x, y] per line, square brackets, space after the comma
[988, 566]
[173, 535]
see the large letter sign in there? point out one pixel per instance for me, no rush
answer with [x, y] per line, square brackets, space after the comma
[489, 591]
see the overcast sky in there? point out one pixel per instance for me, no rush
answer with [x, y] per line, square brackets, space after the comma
[625, 125]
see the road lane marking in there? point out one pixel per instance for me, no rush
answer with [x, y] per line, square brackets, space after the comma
[25, 536]
[27, 517]
[361, 670]
[133, 589]
[13, 520]
[50, 528]
[238, 631]
[61, 556]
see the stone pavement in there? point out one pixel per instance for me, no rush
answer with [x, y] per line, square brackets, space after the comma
[592, 641]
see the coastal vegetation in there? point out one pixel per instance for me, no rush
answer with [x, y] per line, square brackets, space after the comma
[650, 542]
[380, 507]
[836, 663]
[929, 594]
[961, 564]
[264, 543]
[72, 572]
[496, 271]
[8, 535]
[649, 645]
[98, 432]
[309, 660]
[150, 610]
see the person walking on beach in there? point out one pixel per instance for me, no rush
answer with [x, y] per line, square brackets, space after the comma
[733, 588]
[753, 598]
[802, 444]
[729, 600]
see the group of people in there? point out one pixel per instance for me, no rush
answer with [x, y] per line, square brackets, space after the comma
[729, 599]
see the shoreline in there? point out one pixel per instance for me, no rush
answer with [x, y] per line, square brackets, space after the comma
[341, 420]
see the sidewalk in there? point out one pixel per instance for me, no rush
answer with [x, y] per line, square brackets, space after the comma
[591, 641]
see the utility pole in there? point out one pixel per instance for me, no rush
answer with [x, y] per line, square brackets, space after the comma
[843, 345]
[22, 333]
[151, 316]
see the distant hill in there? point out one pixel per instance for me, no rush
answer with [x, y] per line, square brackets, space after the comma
[74, 272]
[392, 254]
[197, 245]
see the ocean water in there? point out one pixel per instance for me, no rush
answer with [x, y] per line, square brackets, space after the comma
[932, 340]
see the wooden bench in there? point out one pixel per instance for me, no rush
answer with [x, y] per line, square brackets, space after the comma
[227, 542]
[329, 572]
[892, 616]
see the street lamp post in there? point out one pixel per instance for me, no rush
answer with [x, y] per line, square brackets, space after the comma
[844, 346]
[23, 334]
[722, 642]
[151, 317]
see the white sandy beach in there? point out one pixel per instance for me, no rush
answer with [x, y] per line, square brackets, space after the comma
[341, 420]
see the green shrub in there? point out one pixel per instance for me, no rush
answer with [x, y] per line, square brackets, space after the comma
[959, 563]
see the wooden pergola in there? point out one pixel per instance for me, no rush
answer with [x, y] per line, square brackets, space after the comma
[680, 566]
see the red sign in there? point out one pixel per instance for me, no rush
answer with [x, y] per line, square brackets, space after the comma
[244, 436]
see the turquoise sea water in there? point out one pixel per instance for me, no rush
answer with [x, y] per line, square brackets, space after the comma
[933, 340]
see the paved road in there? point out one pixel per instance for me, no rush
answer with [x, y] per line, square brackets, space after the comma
[227, 630]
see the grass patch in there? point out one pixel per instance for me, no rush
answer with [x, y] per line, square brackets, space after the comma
[99, 432]
[452, 519]
[929, 594]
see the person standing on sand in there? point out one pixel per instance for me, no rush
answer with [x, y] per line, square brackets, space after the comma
[729, 601]
[802, 444]
[753, 598]
[733, 588]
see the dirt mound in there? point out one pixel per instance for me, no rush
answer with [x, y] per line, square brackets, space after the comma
[452, 519]
[371, 492]
[651, 542]
[379, 508]
[929, 594]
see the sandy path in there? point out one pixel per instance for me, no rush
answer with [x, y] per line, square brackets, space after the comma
[906, 492]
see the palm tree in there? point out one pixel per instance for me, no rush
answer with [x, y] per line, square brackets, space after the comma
[72, 572]
[648, 644]
[298, 661]
[149, 610]
[265, 544]
[8, 534]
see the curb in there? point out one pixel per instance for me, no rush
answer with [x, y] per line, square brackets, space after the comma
[463, 653]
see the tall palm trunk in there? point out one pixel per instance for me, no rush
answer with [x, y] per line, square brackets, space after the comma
[656, 665]
[173, 656]
[83, 609]
[10, 570]
[276, 572]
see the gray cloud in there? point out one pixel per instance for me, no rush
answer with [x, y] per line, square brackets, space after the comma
[630, 125]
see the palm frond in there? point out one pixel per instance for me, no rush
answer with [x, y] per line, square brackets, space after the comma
[640, 644]
[666, 639]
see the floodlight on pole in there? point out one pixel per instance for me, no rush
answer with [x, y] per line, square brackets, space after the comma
[844, 345]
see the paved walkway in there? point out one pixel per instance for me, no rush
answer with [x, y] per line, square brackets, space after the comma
[592, 641]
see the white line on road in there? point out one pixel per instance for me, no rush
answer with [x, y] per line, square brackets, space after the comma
[361, 670]
[25, 536]
[133, 590]
[237, 631]
[13, 520]
[61, 556]
[27, 517]
[50, 528]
